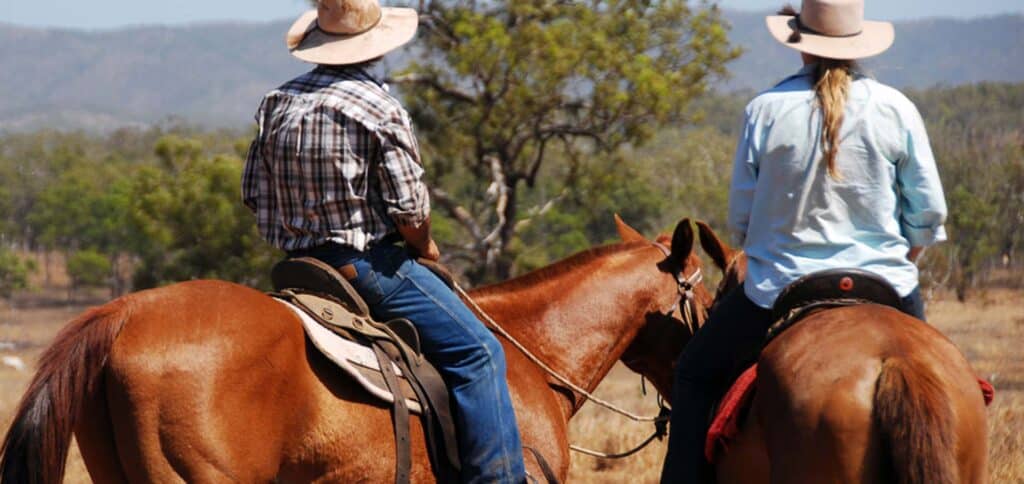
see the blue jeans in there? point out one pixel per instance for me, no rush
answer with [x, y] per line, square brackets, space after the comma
[728, 342]
[465, 352]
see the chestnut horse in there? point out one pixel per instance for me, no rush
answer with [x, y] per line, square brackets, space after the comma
[208, 381]
[855, 395]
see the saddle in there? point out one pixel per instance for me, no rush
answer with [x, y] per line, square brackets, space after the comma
[809, 294]
[384, 358]
[828, 289]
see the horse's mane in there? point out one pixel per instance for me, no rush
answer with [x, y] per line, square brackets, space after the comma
[564, 266]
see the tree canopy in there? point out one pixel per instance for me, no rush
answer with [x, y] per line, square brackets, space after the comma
[500, 85]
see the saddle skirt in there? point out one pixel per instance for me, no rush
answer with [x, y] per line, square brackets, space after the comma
[383, 358]
[358, 361]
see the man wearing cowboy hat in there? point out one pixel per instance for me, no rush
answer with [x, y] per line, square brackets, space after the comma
[334, 173]
[832, 170]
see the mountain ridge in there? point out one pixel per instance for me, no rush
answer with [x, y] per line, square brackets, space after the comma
[214, 73]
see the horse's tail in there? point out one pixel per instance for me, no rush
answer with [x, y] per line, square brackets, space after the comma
[916, 424]
[35, 449]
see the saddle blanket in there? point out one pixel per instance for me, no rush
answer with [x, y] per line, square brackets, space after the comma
[726, 425]
[356, 360]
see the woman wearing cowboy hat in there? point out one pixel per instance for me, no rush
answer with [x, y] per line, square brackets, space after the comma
[334, 173]
[832, 170]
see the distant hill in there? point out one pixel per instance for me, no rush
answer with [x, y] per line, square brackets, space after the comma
[215, 74]
[926, 53]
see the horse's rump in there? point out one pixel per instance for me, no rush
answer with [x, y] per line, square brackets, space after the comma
[868, 392]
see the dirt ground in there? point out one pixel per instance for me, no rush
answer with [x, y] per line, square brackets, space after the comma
[989, 329]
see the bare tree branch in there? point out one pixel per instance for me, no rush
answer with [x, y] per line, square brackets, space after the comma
[531, 176]
[501, 189]
[539, 210]
[458, 212]
[432, 82]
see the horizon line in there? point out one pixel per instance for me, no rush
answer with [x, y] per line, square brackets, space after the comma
[250, 22]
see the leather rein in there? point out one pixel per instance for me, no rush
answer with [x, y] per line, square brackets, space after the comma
[690, 316]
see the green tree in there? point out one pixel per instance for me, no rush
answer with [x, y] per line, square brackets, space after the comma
[88, 268]
[501, 83]
[85, 208]
[679, 173]
[971, 222]
[14, 272]
[191, 222]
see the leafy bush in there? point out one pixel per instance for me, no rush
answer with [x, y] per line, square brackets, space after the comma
[14, 272]
[88, 268]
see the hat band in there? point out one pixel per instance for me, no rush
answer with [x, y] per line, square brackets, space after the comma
[799, 27]
[339, 34]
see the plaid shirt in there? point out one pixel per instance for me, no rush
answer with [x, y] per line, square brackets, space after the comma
[335, 160]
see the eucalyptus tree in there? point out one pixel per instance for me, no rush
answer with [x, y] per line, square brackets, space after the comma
[497, 86]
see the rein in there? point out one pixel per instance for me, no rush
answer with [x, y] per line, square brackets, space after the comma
[690, 317]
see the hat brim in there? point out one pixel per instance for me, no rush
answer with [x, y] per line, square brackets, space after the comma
[875, 38]
[309, 43]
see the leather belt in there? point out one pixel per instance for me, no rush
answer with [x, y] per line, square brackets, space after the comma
[349, 272]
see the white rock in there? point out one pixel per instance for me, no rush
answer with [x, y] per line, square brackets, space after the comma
[14, 362]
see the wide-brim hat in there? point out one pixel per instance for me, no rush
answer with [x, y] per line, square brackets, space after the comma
[833, 29]
[350, 31]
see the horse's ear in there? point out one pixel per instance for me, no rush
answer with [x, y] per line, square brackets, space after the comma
[682, 240]
[627, 233]
[719, 251]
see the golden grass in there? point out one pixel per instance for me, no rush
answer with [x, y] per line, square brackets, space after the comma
[989, 329]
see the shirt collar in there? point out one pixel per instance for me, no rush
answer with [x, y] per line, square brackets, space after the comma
[807, 70]
[354, 71]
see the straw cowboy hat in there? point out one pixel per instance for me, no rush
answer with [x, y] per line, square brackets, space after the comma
[833, 29]
[350, 31]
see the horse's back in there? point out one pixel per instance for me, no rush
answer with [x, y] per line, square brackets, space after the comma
[827, 386]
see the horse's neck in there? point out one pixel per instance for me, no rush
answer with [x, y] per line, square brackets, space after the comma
[578, 322]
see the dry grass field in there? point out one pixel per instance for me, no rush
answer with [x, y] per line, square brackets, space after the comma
[989, 329]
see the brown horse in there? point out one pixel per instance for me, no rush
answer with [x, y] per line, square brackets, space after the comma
[856, 395]
[209, 381]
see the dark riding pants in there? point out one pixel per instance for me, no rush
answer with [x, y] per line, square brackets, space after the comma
[728, 342]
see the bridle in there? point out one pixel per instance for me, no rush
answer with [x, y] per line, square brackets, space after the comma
[687, 305]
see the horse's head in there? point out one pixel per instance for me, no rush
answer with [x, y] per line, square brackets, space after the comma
[732, 262]
[668, 327]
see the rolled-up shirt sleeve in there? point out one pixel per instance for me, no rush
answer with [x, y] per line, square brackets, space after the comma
[922, 202]
[401, 173]
[744, 180]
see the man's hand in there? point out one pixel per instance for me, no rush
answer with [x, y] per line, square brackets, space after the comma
[431, 252]
[419, 241]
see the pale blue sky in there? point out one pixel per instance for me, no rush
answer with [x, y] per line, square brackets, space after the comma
[101, 14]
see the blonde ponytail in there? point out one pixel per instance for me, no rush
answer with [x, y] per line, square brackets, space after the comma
[831, 85]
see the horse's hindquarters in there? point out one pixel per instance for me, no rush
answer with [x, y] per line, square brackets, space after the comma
[203, 384]
[850, 394]
[214, 382]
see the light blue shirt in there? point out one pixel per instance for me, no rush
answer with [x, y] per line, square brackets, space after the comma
[792, 218]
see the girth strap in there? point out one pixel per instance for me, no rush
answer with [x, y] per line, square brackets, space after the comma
[399, 419]
[438, 426]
